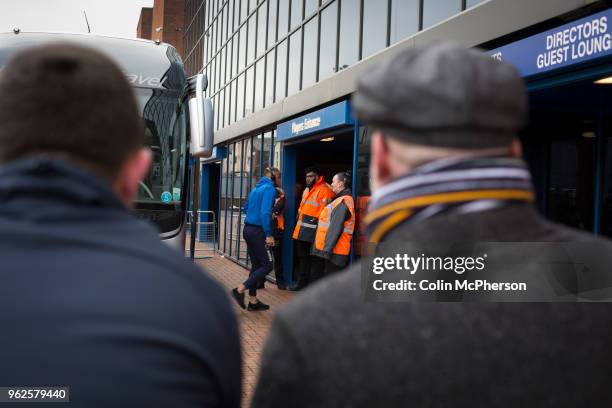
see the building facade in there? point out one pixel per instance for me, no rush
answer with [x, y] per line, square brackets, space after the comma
[281, 73]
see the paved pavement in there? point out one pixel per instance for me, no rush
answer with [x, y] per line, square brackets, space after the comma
[254, 326]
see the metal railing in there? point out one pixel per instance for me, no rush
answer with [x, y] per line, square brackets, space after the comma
[206, 238]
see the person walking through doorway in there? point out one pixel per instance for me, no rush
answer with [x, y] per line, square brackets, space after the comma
[257, 233]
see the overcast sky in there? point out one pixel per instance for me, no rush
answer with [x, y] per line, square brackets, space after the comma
[108, 17]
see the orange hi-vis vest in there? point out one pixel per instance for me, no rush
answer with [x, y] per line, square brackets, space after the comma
[324, 244]
[311, 206]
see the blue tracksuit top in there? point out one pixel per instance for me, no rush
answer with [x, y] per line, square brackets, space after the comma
[258, 207]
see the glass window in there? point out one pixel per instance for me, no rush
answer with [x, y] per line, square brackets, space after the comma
[252, 38]
[404, 19]
[374, 27]
[269, 97]
[223, 25]
[224, 204]
[248, 98]
[241, 251]
[211, 78]
[435, 11]
[281, 71]
[327, 52]
[296, 13]
[295, 57]
[236, 197]
[261, 30]
[222, 70]
[228, 99]
[255, 174]
[231, 17]
[310, 7]
[232, 115]
[283, 17]
[349, 33]
[260, 73]
[271, 22]
[278, 155]
[228, 62]
[243, 10]
[243, 47]
[214, 37]
[240, 97]
[235, 49]
[215, 103]
[472, 3]
[310, 53]
[220, 110]
[267, 149]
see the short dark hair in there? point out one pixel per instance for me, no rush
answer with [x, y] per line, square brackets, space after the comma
[312, 169]
[71, 102]
[346, 178]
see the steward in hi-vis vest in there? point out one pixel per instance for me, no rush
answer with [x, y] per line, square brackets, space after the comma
[316, 196]
[313, 202]
[335, 230]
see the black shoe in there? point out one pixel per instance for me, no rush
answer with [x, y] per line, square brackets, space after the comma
[238, 297]
[254, 307]
[297, 288]
[281, 286]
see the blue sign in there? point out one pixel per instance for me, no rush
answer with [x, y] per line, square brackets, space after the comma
[323, 119]
[579, 41]
[166, 197]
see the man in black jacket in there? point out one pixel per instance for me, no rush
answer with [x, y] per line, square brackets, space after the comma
[446, 169]
[89, 297]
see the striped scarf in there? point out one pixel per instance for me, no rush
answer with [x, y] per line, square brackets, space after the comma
[448, 186]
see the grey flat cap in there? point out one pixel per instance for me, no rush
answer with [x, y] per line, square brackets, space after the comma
[443, 95]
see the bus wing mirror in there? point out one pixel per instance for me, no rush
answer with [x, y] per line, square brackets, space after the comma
[201, 118]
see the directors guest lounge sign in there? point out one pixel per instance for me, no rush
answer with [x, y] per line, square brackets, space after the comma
[579, 41]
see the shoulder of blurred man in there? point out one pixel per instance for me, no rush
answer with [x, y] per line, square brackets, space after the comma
[106, 294]
[354, 352]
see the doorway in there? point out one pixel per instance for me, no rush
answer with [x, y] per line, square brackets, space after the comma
[567, 147]
[330, 153]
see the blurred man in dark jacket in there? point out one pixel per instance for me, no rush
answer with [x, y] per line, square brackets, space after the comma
[446, 169]
[89, 297]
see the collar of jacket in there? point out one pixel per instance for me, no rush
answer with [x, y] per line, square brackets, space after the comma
[320, 181]
[44, 179]
[263, 181]
[448, 186]
[345, 192]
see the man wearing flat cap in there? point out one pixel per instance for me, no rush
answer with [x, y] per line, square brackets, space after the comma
[445, 167]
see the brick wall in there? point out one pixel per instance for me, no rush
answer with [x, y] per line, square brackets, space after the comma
[170, 15]
[144, 23]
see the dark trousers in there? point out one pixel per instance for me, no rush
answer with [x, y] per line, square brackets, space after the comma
[278, 261]
[331, 268]
[261, 264]
[310, 267]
